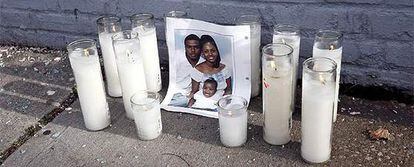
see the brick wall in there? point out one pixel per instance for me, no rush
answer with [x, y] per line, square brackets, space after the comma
[378, 34]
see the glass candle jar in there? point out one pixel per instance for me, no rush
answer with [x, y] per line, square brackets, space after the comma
[329, 44]
[255, 35]
[318, 91]
[233, 120]
[107, 27]
[130, 66]
[177, 14]
[84, 61]
[143, 24]
[277, 93]
[289, 34]
[147, 114]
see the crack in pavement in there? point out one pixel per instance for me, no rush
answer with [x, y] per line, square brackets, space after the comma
[32, 130]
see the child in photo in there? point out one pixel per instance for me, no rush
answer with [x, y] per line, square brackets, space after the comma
[207, 97]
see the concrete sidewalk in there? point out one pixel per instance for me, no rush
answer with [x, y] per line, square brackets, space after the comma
[35, 82]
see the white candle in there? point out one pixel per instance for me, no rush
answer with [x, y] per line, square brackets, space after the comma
[255, 37]
[336, 55]
[130, 68]
[173, 14]
[107, 27]
[329, 44]
[317, 106]
[149, 50]
[143, 24]
[255, 58]
[232, 121]
[111, 72]
[147, 116]
[90, 88]
[277, 93]
[277, 101]
[289, 35]
[233, 129]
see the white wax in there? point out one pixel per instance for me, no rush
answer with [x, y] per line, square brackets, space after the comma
[233, 128]
[317, 106]
[111, 72]
[335, 55]
[277, 107]
[148, 122]
[294, 42]
[131, 72]
[149, 50]
[90, 90]
[255, 59]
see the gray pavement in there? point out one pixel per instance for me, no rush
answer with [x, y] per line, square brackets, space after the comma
[187, 140]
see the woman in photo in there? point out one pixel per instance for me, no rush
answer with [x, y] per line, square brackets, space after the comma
[210, 68]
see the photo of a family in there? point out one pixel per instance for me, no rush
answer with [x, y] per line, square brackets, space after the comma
[203, 78]
[202, 61]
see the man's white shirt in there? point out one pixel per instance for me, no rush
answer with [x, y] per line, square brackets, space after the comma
[183, 76]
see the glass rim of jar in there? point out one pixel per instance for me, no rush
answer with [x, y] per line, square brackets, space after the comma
[121, 36]
[248, 19]
[176, 13]
[141, 17]
[156, 97]
[89, 44]
[329, 34]
[314, 59]
[227, 97]
[105, 20]
[286, 29]
[268, 46]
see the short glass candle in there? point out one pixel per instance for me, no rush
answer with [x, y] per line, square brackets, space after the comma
[147, 114]
[233, 120]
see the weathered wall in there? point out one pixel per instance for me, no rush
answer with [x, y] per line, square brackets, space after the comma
[378, 34]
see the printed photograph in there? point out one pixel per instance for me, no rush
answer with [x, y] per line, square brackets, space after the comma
[201, 69]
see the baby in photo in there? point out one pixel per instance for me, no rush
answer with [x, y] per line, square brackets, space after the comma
[207, 97]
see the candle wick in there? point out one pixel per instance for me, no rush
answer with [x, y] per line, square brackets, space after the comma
[331, 47]
[273, 65]
[86, 52]
[322, 79]
[142, 27]
[283, 41]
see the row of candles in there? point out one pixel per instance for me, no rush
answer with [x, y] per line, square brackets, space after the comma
[132, 71]
[320, 87]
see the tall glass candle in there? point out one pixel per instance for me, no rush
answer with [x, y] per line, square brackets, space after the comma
[175, 14]
[277, 93]
[232, 120]
[290, 35]
[84, 61]
[318, 90]
[329, 44]
[107, 27]
[255, 34]
[147, 114]
[143, 24]
[130, 66]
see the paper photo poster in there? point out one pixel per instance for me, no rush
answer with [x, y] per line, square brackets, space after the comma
[206, 62]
